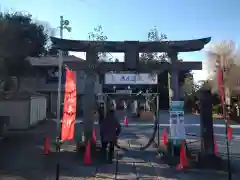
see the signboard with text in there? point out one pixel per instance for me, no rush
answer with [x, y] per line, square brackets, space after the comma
[123, 91]
[131, 79]
[52, 75]
[177, 127]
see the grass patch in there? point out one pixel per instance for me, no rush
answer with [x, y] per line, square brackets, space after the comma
[217, 116]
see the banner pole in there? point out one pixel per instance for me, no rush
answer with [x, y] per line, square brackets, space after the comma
[226, 115]
[59, 124]
[158, 120]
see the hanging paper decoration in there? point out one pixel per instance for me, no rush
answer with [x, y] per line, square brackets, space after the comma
[69, 110]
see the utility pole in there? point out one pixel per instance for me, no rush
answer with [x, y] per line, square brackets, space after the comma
[64, 24]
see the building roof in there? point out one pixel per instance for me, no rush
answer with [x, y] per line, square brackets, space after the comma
[52, 60]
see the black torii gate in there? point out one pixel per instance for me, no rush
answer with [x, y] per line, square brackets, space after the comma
[132, 63]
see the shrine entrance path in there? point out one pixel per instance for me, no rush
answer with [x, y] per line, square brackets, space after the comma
[21, 158]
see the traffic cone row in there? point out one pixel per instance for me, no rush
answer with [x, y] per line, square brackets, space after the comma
[94, 136]
[183, 163]
[165, 137]
[229, 133]
[215, 146]
[87, 155]
[125, 122]
[46, 146]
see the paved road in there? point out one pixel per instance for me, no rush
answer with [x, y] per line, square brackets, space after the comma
[192, 124]
[21, 158]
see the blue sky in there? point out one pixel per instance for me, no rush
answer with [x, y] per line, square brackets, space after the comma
[132, 19]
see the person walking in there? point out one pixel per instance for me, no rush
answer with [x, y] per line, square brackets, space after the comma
[110, 129]
[101, 112]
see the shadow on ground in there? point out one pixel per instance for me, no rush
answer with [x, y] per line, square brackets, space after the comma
[21, 158]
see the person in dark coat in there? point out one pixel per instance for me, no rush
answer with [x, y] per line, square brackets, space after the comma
[110, 129]
[101, 112]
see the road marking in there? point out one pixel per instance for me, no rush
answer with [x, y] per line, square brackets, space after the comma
[236, 137]
[224, 135]
[164, 125]
[186, 125]
[216, 134]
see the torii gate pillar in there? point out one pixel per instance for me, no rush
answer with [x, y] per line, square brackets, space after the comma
[174, 78]
[89, 98]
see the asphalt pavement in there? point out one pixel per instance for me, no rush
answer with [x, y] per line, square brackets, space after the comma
[191, 121]
[22, 158]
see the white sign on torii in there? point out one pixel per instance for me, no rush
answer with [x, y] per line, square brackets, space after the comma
[131, 79]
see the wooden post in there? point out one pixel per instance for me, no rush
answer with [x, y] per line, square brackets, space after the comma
[174, 88]
[206, 125]
[131, 55]
[89, 94]
[174, 75]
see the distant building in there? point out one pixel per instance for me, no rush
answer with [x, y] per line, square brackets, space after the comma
[46, 81]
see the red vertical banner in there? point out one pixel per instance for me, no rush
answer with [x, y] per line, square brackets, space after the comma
[69, 110]
[220, 85]
[222, 97]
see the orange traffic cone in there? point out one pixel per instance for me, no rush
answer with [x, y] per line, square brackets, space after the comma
[46, 145]
[94, 136]
[229, 133]
[215, 146]
[165, 137]
[183, 158]
[87, 155]
[125, 121]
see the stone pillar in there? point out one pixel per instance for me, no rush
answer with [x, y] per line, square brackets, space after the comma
[131, 55]
[174, 95]
[89, 95]
[206, 125]
[174, 78]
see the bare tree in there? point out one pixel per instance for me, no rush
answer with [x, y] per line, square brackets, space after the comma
[226, 55]
[154, 35]
[48, 30]
[191, 88]
[188, 87]
[98, 35]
